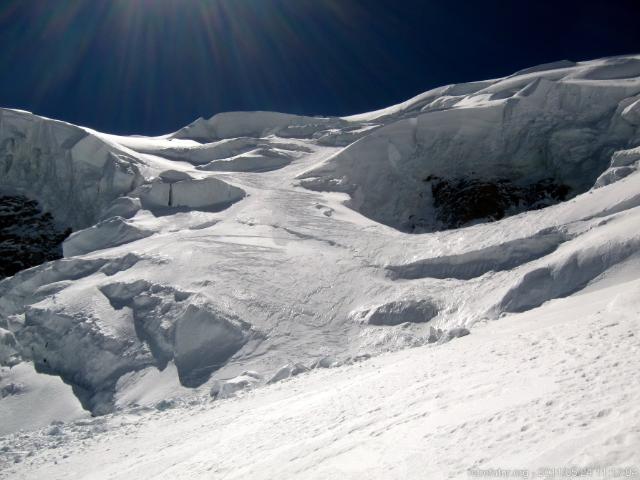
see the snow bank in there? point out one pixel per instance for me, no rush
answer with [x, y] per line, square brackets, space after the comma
[574, 265]
[466, 266]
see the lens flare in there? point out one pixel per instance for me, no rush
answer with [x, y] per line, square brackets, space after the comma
[125, 55]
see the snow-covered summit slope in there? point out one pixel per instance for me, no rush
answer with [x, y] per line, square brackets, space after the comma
[254, 246]
[510, 144]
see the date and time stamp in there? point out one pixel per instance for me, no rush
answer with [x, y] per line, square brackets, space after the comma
[628, 472]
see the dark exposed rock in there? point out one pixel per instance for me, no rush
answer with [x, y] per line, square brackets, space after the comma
[28, 236]
[461, 201]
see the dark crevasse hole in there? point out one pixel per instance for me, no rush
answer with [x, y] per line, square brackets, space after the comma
[28, 236]
[459, 202]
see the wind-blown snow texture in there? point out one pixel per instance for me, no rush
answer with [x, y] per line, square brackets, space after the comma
[224, 284]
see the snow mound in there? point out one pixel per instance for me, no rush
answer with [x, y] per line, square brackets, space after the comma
[288, 371]
[195, 194]
[397, 312]
[177, 326]
[130, 327]
[229, 388]
[150, 326]
[107, 233]
[125, 207]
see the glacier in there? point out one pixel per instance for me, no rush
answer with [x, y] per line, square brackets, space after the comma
[447, 284]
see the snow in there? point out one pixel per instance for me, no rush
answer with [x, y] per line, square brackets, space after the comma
[631, 113]
[229, 388]
[263, 295]
[528, 127]
[252, 124]
[204, 341]
[397, 312]
[209, 193]
[150, 386]
[61, 165]
[34, 400]
[534, 390]
[288, 371]
[107, 233]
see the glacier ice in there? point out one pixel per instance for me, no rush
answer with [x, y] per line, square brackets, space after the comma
[250, 247]
[70, 172]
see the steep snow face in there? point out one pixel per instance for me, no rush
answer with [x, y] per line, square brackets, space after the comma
[512, 144]
[70, 172]
[253, 247]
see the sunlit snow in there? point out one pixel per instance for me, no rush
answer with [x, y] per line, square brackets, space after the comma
[440, 287]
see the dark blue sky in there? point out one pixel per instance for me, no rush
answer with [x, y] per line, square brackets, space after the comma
[152, 66]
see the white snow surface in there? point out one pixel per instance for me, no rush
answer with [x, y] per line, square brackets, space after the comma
[241, 298]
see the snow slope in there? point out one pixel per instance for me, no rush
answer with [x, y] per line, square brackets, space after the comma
[537, 390]
[221, 260]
